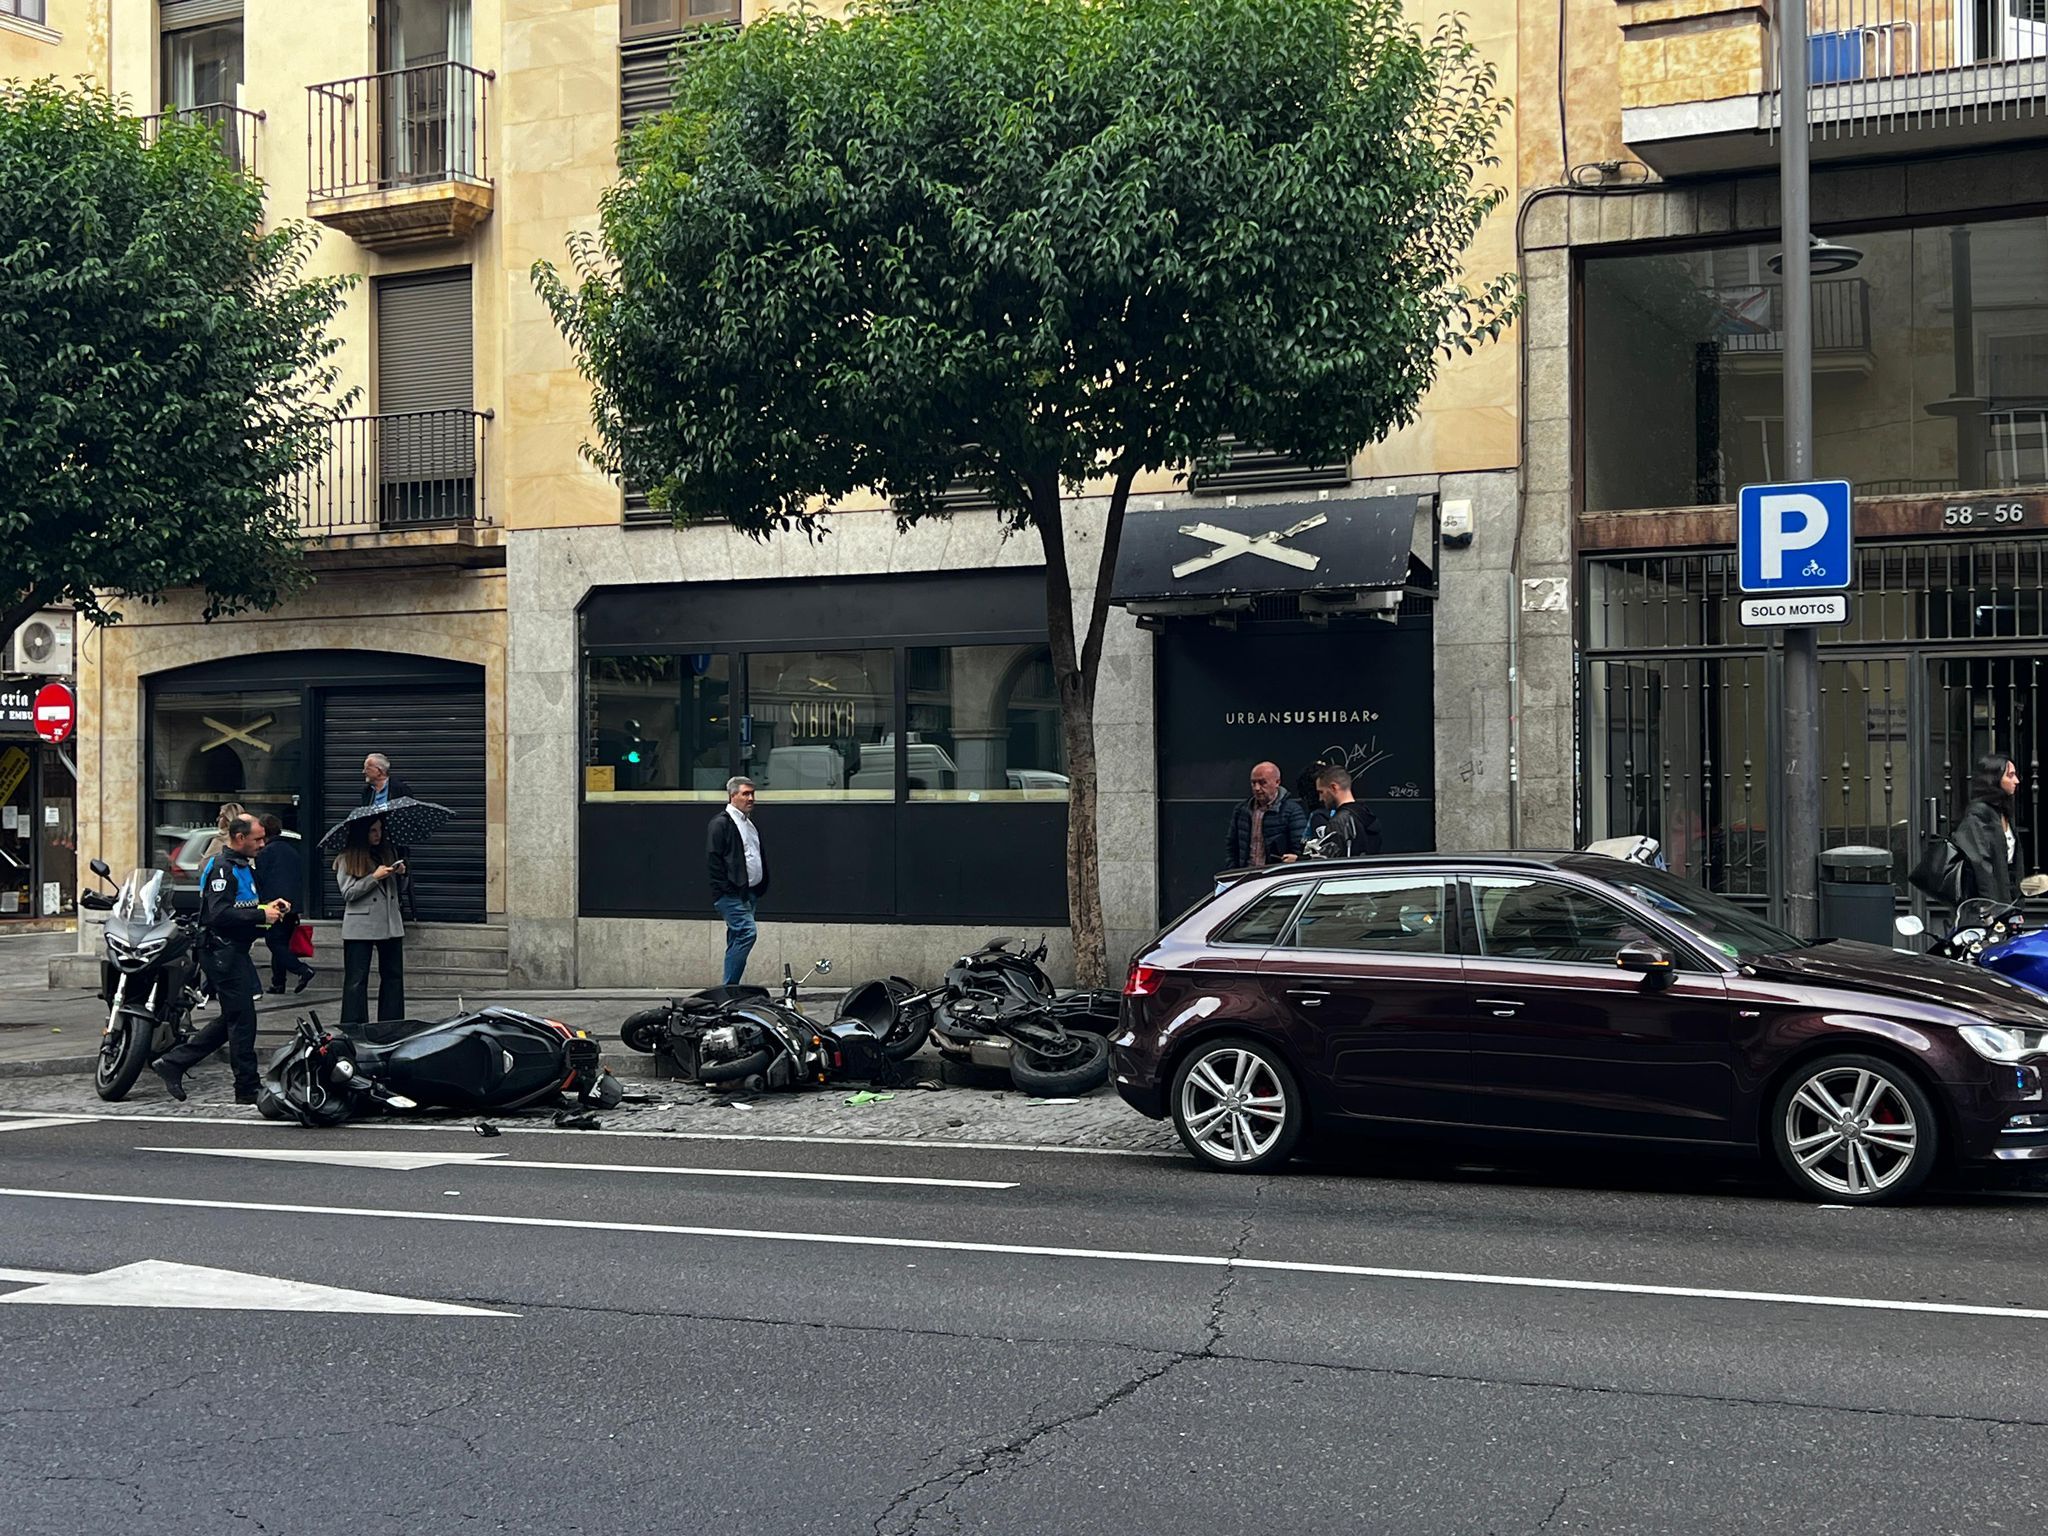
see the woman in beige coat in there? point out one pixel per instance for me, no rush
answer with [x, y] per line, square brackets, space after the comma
[371, 924]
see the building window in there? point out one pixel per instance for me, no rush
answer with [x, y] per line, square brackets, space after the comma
[657, 727]
[202, 58]
[649, 31]
[818, 724]
[983, 724]
[212, 749]
[27, 10]
[1930, 361]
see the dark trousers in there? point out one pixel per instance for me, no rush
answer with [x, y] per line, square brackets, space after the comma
[355, 980]
[282, 961]
[233, 975]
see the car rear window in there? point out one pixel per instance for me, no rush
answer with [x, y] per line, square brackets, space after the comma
[1264, 920]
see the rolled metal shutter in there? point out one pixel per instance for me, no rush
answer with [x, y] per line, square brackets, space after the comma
[425, 366]
[177, 15]
[435, 740]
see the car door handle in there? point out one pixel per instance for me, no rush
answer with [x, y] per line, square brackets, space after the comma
[1503, 1007]
[1308, 997]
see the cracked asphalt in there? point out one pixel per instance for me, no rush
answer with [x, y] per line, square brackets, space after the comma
[1102, 1343]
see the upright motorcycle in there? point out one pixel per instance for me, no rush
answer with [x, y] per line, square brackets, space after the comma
[149, 977]
[1994, 936]
[484, 1060]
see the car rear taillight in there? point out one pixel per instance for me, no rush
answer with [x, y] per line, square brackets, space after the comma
[1144, 981]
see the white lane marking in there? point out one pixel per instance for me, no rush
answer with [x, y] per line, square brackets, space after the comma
[157, 1283]
[410, 1161]
[38, 1124]
[30, 1276]
[1027, 1250]
[791, 1138]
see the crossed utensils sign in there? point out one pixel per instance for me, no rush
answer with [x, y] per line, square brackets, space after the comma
[1229, 544]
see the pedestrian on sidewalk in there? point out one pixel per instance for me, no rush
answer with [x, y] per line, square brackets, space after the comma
[380, 787]
[231, 916]
[371, 924]
[1271, 827]
[221, 823]
[1350, 830]
[1985, 837]
[280, 872]
[739, 875]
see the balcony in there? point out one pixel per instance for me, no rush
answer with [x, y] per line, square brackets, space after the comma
[235, 128]
[1700, 91]
[402, 486]
[1754, 338]
[397, 160]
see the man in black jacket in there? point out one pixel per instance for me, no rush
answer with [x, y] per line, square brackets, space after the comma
[739, 874]
[380, 784]
[281, 872]
[231, 916]
[1352, 830]
[1269, 828]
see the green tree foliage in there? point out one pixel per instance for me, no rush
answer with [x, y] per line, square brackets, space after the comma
[164, 366]
[1035, 244]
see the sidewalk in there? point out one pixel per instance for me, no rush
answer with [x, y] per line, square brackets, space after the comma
[47, 1043]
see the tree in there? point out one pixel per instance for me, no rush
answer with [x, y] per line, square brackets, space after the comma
[1035, 244]
[163, 364]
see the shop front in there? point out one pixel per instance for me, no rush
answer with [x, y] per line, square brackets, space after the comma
[38, 812]
[1295, 633]
[286, 734]
[903, 731]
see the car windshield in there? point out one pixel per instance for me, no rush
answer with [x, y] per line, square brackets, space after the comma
[142, 897]
[1717, 921]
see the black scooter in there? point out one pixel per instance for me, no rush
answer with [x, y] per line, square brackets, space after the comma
[149, 977]
[486, 1060]
[743, 1038]
[999, 970]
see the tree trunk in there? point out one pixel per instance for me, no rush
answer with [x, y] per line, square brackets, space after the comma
[1077, 733]
[1076, 663]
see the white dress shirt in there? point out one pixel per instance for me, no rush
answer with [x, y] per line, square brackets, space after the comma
[752, 842]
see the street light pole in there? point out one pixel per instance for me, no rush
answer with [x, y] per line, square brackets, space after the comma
[1801, 675]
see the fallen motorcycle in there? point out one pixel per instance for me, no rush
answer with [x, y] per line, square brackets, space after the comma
[149, 977]
[1044, 1056]
[743, 1038]
[484, 1060]
[998, 970]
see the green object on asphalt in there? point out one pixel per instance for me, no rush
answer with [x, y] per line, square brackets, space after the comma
[867, 1097]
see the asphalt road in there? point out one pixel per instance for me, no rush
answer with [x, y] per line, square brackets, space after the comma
[1036, 1343]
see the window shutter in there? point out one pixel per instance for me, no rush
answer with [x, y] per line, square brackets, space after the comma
[1263, 469]
[424, 328]
[177, 15]
[644, 88]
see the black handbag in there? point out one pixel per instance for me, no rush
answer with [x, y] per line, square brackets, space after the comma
[1940, 870]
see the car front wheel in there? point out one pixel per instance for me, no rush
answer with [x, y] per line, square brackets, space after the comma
[1854, 1130]
[1237, 1106]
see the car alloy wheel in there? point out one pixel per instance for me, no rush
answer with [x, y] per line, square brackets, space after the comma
[1236, 1106]
[1855, 1128]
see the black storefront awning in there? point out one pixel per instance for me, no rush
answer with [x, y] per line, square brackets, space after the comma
[1361, 552]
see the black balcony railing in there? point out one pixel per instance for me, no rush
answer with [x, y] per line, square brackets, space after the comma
[233, 126]
[1756, 323]
[385, 474]
[401, 128]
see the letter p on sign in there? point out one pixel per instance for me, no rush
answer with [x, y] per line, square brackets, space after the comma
[1795, 538]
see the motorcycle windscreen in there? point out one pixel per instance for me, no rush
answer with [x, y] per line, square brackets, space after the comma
[141, 899]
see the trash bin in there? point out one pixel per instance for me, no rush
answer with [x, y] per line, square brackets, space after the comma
[1856, 900]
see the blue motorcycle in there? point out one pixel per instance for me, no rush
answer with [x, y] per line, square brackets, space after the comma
[1996, 937]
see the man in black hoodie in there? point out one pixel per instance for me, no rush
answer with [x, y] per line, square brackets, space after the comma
[1351, 830]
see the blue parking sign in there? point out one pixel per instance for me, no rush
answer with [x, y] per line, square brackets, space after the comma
[1795, 538]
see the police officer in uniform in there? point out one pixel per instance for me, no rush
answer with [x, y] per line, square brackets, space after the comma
[231, 916]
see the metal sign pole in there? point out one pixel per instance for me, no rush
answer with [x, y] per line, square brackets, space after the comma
[1801, 653]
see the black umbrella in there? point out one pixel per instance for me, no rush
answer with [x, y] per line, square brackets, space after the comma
[407, 823]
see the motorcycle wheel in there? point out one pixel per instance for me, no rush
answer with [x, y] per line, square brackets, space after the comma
[639, 1033]
[332, 1109]
[1082, 1071]
[732, 1071]
[270, 1106]
[121, 1060]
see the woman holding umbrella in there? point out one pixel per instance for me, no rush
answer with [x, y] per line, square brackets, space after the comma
[370, 922]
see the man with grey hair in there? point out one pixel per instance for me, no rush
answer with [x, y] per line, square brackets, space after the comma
[380, 785]
[739, 875]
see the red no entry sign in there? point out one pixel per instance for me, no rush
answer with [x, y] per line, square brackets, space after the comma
[56, 712]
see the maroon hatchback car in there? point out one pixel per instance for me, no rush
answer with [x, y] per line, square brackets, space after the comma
[1553, 997]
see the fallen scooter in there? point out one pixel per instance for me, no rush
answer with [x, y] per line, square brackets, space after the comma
[486, 1060]
[998, 970]
[740, 1037]
[1044, 1057]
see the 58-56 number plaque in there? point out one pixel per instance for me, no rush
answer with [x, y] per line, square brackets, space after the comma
[1987, 516]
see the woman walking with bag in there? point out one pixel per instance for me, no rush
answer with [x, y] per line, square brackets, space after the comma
[1984, 836]
[370, 924]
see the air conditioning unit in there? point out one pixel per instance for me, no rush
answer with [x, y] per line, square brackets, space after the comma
[42, 645]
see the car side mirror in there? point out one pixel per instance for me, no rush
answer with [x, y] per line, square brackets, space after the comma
[99, 867]
[1649, 961]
